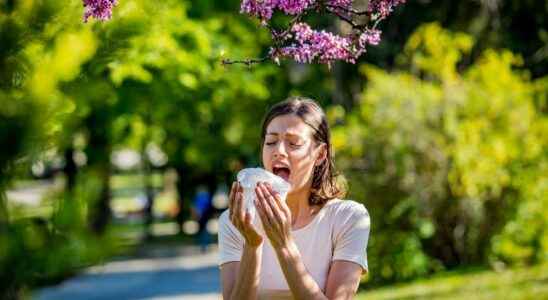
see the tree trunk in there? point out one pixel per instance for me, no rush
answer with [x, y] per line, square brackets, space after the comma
[70, 169]
[102, 213]
[98, 151]
[184, 194]
[149, 194]
[4, 215]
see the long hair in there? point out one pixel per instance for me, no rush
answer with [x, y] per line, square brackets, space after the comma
[327, 183]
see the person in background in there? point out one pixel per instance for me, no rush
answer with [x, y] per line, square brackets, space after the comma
[202, 210]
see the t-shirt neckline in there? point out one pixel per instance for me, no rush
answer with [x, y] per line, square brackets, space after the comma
[316, 217]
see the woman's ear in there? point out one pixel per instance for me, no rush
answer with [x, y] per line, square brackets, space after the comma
[322, 155]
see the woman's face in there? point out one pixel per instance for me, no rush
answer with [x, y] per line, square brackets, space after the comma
[290, 151]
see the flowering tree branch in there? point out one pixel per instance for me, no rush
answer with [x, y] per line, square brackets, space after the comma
[303, 44]
[299, 41]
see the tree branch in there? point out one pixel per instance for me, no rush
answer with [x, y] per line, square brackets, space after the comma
[348, 20]
[349, 10]
[247, 62]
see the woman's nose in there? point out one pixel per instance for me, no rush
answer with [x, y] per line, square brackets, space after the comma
[279, 150]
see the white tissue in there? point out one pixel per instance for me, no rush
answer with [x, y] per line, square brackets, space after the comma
[248, 179]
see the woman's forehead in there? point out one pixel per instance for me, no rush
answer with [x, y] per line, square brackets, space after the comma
[289, 125]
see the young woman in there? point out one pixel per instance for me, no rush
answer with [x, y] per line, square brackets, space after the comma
[314, 246]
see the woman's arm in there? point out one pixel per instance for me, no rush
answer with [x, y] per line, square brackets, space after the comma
[241, 279]
[343, 278]
[342, 281]
[300, 282]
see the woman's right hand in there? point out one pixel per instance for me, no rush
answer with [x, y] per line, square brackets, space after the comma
[240, 218]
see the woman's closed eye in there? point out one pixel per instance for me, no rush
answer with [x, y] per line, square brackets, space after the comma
[295, 145]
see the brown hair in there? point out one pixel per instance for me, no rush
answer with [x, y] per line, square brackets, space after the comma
[327, 184]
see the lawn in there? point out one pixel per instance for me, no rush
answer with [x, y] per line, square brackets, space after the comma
[522, 283]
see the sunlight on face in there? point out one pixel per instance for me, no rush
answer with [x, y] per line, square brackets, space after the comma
[289, 143]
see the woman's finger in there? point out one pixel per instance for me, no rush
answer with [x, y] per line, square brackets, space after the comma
[270, 201]
[266, 208]
[241, 208]
[262, 215]
[252, 233]
[236, 208]
[240, 199]
[247, 220]
[280, 203]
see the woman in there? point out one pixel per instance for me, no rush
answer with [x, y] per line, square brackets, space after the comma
[315, 243]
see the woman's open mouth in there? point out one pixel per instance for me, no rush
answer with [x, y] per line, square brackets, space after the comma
[283, 172]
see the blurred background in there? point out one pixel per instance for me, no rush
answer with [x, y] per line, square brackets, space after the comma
[118, 141]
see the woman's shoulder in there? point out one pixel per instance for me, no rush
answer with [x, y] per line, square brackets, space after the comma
[224, 221]
[226, 228]
[345, 207]
[347, 215]
[224, 215]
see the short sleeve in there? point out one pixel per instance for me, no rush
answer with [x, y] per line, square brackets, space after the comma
[352, 234]
[231, 242]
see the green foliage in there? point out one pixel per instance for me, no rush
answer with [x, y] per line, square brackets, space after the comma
[151, 75]
[33, 61]
[524, 239]
[443, 158]
[173, 91]
[515, 284]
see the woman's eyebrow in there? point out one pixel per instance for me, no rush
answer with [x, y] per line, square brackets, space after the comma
[289, 134]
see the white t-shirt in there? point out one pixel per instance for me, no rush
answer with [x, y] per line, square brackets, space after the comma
[339, 231]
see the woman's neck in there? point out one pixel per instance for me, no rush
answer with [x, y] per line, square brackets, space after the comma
[298, 204]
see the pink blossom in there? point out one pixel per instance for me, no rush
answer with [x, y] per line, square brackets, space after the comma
[345, 4]
[324, 46]
[305, 45]
[383, 7]
[369, 37]
[263, 9]
[99, 9]
[294, 7]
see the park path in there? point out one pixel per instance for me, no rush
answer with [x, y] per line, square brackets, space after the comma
[167, 273]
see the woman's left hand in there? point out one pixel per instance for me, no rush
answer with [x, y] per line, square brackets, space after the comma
[275, 215]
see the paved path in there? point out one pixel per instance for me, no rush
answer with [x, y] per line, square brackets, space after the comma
[187, 275]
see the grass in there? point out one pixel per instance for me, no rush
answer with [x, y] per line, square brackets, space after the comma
[513, 284]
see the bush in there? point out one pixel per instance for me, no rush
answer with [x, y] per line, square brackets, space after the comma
[443, 155]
